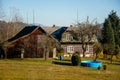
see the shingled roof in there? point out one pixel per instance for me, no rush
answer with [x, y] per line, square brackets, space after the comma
[72, 28]
[58, 33]
[50, 29]
[25, 31]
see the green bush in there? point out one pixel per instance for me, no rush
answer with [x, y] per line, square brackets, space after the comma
[104, 67]
[75, 59]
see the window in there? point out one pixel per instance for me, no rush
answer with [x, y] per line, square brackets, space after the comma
[70, 49]
[69, 37]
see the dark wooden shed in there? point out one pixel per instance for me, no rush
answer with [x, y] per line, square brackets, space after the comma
[27, 39]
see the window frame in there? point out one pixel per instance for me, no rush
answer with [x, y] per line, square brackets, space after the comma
[70, 49]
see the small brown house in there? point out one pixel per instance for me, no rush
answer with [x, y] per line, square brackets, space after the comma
[26, 41]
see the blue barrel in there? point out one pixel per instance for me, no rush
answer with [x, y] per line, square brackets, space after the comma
[61, 58]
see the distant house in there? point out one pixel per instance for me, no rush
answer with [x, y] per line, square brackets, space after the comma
[28, 39]
[70, 43]
[50, 29]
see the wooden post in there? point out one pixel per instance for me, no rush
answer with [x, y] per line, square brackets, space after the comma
[22, 53]
[54, 52]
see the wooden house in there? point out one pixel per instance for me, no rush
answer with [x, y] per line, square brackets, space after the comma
[71, 44]
[26, 41]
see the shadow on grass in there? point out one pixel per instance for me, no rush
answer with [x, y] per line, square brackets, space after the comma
[67, 59]
[116, 63]
[65, 63]
[107, 61]
[29, 59]
[113, 63]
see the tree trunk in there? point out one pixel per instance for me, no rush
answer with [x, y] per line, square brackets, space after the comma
[84, 49]
[83, 53]
[45, 50]
[5, 53]
[111, 58]
[46, 54]
[95, 55]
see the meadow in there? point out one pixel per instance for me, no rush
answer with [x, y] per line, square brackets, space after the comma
[39, 69]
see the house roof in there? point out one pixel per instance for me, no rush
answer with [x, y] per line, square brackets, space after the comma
[50, 29]
[72, 28]
[25, 31]
[58, 33]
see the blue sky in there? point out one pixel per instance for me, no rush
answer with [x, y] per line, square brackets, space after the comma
[61, 12]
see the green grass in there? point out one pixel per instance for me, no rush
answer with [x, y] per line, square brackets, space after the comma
[39, 69]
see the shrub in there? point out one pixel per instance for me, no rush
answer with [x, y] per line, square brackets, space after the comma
[75, 59]
[104, 67]
[99, 68]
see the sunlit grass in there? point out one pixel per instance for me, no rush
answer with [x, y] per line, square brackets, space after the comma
[39, 69]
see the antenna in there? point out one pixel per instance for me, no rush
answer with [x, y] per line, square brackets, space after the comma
[27, 17]
[77, 15]
[33, 17]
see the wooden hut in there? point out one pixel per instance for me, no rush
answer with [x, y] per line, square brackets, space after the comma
[27, 41]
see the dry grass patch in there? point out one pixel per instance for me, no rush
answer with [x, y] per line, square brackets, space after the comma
[39, 69]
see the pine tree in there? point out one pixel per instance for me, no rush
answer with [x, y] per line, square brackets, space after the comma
[111, 34]
[115, 24]
[108, 33]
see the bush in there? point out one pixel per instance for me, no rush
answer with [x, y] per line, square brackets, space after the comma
[104, 67]
[75, 59]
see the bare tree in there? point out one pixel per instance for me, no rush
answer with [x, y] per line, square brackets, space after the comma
[2, 14]
[97, 49]
[87, 33]
[2, 23]
[16, 21]
[2, 29]
[48, 43]
[11, 28]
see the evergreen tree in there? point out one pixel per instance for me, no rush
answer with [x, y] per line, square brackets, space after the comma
[111, 34]
[108, 38]
[108, 33]
[115, 24]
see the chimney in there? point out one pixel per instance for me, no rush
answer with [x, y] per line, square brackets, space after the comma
[71, 25]
[53, 25]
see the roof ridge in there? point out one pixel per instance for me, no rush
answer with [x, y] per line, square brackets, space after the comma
[25, 31]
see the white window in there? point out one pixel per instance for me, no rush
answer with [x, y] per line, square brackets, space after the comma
[70, 49]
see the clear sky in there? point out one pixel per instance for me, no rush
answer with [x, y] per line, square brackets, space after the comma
[61, 12]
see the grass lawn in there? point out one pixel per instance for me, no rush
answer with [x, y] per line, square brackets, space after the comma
[38, 69]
